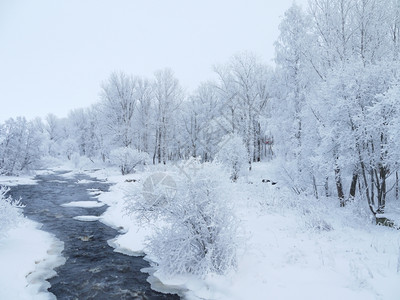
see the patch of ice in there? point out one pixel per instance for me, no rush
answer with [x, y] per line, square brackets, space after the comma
[95, 194]
[160, 286]
[124, 250]
[85, 204]
[58, 181]
[86, 218]
[69, 174]
[44, 172]
[84, 181]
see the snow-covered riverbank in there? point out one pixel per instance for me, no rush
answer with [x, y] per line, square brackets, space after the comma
[28, 256]
[290, 247]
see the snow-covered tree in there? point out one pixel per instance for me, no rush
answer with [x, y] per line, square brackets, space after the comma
[144, 115]
[118, 106]
[127, 159]
[233, 155]
[243, 89]
[168, 97]
[82, 126]
[54, 128]
[21, 146]
[294, 74]
[333, 66]
[204, 125]
[69, 147]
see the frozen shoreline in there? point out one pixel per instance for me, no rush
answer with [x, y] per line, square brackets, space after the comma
[131, 239]
[28, 257]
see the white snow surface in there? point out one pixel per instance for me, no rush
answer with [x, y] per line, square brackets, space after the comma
[84, 181]
[86, 204]
[87, 218]
[132, 238]
[291, 247]
[16, 180]
[28, 257]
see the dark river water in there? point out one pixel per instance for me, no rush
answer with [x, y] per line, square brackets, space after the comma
[92, 269]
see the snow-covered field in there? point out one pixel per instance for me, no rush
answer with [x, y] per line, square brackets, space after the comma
[289, 247]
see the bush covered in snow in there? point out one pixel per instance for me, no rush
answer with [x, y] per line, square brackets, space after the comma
[10, 211]
[127, 159]
[200, 232]
[233, 154]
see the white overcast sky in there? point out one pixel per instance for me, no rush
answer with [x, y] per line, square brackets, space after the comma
[55, 53]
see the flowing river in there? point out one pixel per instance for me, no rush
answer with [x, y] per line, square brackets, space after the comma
[92, 269]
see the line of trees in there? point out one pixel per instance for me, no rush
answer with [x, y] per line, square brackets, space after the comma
[156, 117]
[328, 108]
[338, 88]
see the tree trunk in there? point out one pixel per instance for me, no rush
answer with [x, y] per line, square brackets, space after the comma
[159, 146]
[155, 149]
[326, 186]
[315, 187]
[382, 190]
[367, 192]
[372, 187]
[353, 186]
[339, 186]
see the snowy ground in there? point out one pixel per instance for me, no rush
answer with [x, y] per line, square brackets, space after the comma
[16, 180]
[28, 256]
[289, 248]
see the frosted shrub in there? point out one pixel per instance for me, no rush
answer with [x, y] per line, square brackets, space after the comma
[316, 222]
[201, 231]
[127, 159]
[232, 154]
[10, 211]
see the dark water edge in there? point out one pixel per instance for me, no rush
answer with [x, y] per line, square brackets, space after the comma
[92, 269]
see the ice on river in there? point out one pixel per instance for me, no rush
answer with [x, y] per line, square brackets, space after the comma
[86, 204]
[84, 181]
[87, 218]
